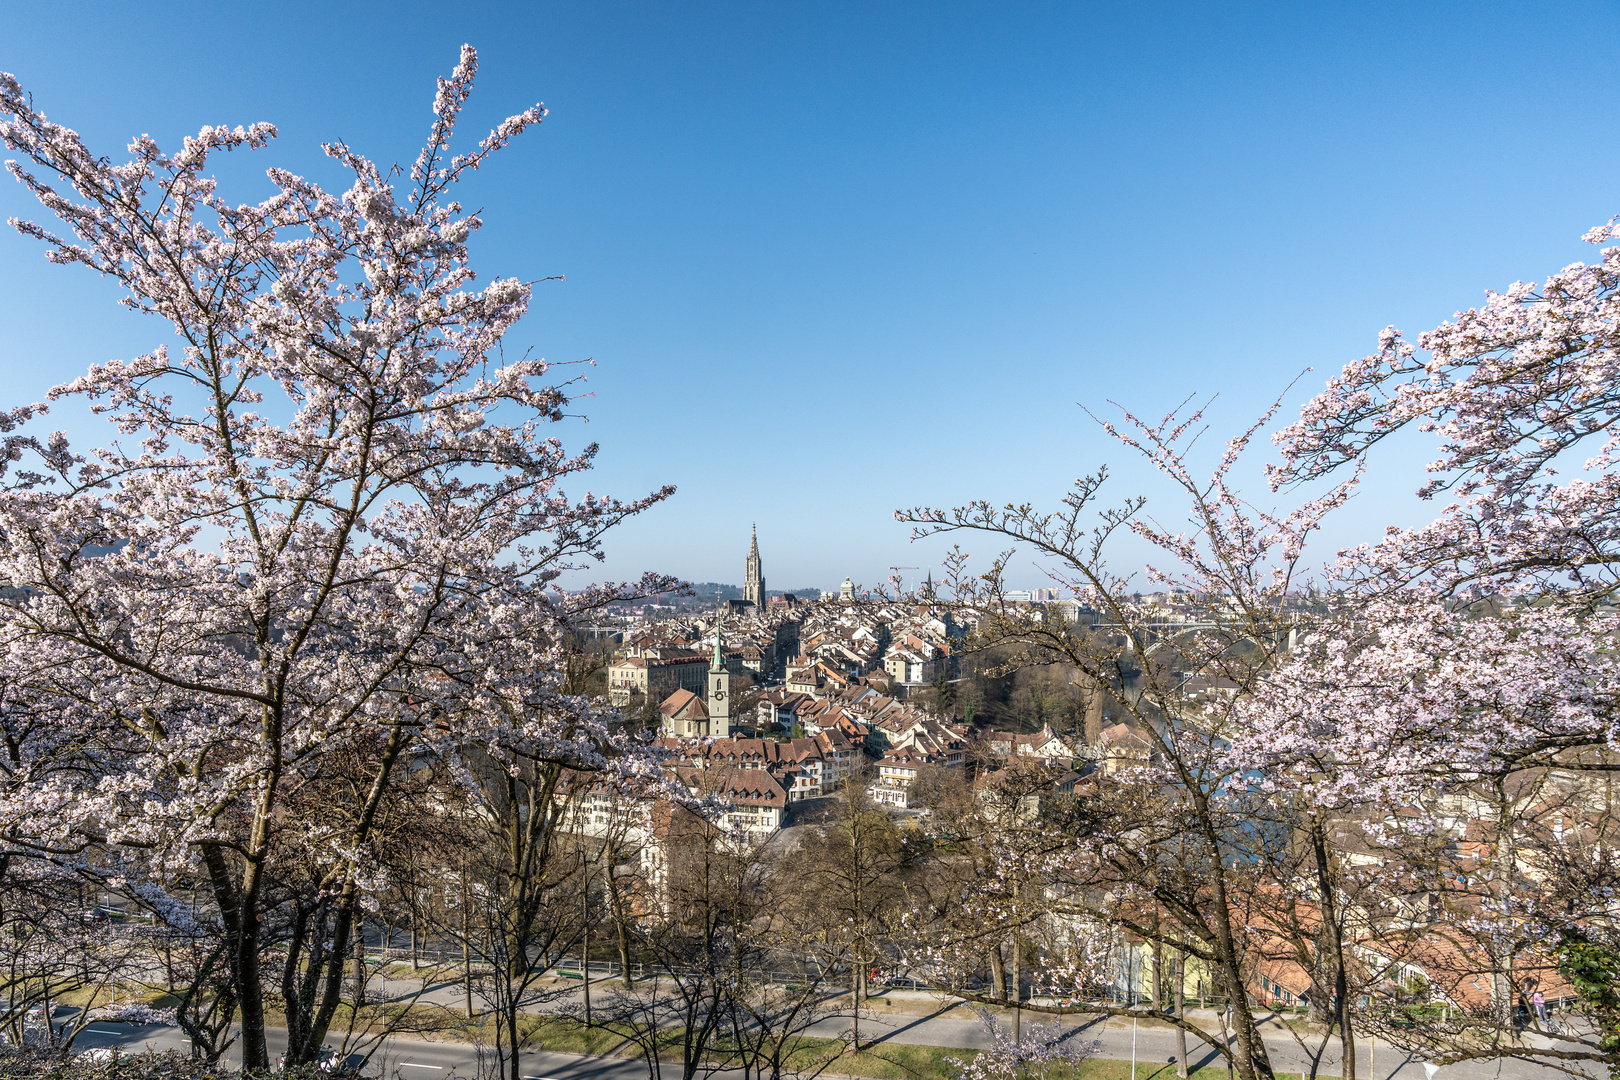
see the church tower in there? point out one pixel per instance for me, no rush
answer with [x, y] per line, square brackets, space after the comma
[753, 581]
[719, 690]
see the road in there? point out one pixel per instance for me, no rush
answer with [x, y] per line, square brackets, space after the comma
[411, 1059]
[926, 1019]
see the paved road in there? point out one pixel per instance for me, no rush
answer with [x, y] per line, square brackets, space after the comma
[923, 1018]
[408, 1059]
[411, 1059]
[1158, 1045]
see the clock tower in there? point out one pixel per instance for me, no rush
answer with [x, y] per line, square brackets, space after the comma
[719, 690]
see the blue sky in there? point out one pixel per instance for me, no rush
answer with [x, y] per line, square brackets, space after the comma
[833, 259]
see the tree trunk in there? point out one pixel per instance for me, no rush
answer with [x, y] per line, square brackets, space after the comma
[1325, 879]
[585, 973]
[621, 928]
[1253, 1062]
[238, 907]
[1502, 988]
[466, 949]
[1181, 1013]
[313, 1022]
[1158, 963]
[347, 918]
[513, 1072]
[624, 955]
[250, 990]
[1018, 990]
[998, 976]
[855, 998]
[585, 948]
[360, 963]
[1226, 1041]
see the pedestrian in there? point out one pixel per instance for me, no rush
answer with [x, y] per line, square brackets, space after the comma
[1539, 1000]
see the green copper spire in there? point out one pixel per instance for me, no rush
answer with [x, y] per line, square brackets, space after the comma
[719, 657]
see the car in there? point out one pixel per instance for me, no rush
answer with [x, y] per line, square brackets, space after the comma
[325, 1061]
[101, 913]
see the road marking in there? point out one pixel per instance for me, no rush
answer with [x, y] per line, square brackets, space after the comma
[414, 1065]
[104, 1031]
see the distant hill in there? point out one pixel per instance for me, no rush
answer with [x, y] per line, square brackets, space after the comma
[707, 593]
[713, 590]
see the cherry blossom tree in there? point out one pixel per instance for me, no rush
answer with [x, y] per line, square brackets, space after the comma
[1448, 715]
[1033, 1055]
[56, 944]
[1461, 703]
[986, 898]
[1460, 746]
[1166, 856]
[332, 530]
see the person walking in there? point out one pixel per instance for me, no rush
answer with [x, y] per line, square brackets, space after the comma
[1539, 1000]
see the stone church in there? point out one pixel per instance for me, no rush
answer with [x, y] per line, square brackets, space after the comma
[686, 715]
[683, 713]
[753, 579]
[753, 597]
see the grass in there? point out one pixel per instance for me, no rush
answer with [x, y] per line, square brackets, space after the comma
[897, 1061]
[87, 998]
[1110, 1069]
[570, 1036]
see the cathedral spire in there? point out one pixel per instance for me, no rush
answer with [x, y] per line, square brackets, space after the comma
[753, 574]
